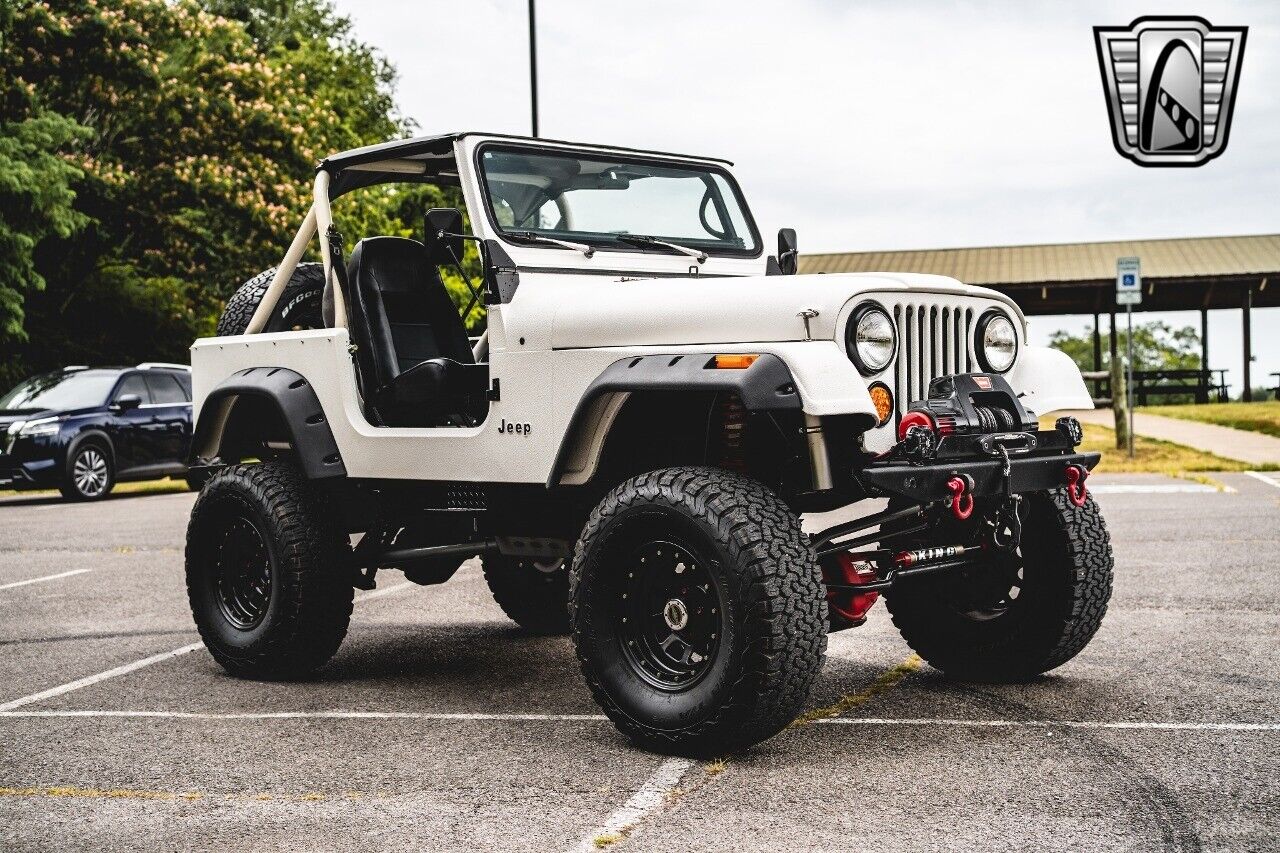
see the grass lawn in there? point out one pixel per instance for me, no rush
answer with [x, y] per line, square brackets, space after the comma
[143, 487]
[1263, 416]
[1150, 455]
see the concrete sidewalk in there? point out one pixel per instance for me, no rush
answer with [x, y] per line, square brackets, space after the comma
[1254, 448]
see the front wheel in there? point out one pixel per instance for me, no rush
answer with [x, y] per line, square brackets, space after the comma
[697, 610]
[267, 572]
[90, 475]
[1014, 616]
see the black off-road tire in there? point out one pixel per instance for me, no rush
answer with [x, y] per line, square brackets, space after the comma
[309, 593]
[533, 593]
[92, 453]
[1065, 585]
[774, 617]
[298, 308]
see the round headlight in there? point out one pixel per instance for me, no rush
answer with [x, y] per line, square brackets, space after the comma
[997, 343]
[871, 339]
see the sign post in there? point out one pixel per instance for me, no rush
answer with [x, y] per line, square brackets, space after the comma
[1129, 294]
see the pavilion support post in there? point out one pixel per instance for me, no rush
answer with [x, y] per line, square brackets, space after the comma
[1246, 312]
[1204, 338]
[1113, 336]
[1097, 342]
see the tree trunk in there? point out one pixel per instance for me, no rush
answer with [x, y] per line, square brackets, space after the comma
[1120, 404]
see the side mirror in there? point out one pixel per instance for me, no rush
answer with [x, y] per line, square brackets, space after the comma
[444, 250]
[125, 402]
[788, 255]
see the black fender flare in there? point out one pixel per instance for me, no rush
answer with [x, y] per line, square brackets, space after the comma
[299, 409]
[766, 385]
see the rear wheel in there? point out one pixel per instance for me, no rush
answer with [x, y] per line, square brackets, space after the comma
[697, 610]
[90, 476]
[1017, 615]
[267, 574]
[534, 593]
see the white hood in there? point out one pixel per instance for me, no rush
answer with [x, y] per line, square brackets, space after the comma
[594, 311]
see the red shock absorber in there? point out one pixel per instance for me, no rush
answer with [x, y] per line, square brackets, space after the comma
[733, 428]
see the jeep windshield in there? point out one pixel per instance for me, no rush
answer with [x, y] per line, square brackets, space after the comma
[622, 204]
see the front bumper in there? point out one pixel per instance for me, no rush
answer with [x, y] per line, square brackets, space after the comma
[31, 474]
[1029, 471]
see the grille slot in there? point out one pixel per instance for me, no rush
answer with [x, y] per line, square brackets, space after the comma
[933, 341]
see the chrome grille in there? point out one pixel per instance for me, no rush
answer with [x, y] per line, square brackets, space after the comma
[933, 340]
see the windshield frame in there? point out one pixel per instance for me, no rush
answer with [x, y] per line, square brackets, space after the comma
[614, 246]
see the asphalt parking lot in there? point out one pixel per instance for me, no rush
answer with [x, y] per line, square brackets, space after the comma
[441, 726]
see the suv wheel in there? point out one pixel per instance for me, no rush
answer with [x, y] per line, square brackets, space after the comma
[267, 574]
[533, 593]
[299, 306]
[90, 475]
[1017, 615]
[697, 610]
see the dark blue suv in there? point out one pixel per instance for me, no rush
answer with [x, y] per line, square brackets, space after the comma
[82, 430]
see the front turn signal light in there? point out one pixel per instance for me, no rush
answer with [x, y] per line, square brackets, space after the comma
[736, 361]
[882, 399]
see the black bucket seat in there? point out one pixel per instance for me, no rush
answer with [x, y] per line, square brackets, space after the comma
[412, 351]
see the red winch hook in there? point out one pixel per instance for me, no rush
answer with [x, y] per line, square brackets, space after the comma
[1076, 475]
[961, 498]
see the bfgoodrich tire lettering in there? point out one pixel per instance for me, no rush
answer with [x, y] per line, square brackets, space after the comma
[298, 308]
[772, 629]
[296, 624]
[1063, 589]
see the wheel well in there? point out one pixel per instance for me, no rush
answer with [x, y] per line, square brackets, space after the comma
[254, 427]
[662, 429]
[92, 437]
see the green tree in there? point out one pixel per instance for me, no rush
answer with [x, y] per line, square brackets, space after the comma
[36, 201]
[1156, 346]
[201, 133]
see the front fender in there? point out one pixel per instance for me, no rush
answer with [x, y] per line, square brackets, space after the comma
[1047, 380]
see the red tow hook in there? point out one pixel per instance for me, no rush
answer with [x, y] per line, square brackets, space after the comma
[1076, 491]
[961, 497]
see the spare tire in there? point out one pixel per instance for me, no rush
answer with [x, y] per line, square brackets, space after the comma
[298, 308]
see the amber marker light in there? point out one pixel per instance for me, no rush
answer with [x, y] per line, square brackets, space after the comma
[736, 361]
[882, 399]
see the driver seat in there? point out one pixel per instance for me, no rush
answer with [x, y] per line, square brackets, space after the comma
[411, 346]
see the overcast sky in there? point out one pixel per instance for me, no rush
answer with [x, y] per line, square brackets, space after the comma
[863, 125]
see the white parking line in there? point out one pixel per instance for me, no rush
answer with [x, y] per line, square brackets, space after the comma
[1154, 489]
[45, 578]
[1053, 724]
[1258, 475]
[444, 716]
[642, 802]
[314, 715]
[90, 680]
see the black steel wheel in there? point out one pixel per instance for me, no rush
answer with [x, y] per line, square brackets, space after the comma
[671, 614]
[268, 572]
[697, 610]
[89, 475]
[1013, 615]
[242, 571]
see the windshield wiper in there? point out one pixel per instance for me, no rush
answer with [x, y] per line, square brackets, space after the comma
[642, 240]
[586, 250]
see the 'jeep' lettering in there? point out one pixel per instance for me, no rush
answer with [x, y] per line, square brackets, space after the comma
[505, 428]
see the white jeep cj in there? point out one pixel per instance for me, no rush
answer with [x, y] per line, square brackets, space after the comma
[630, 444]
